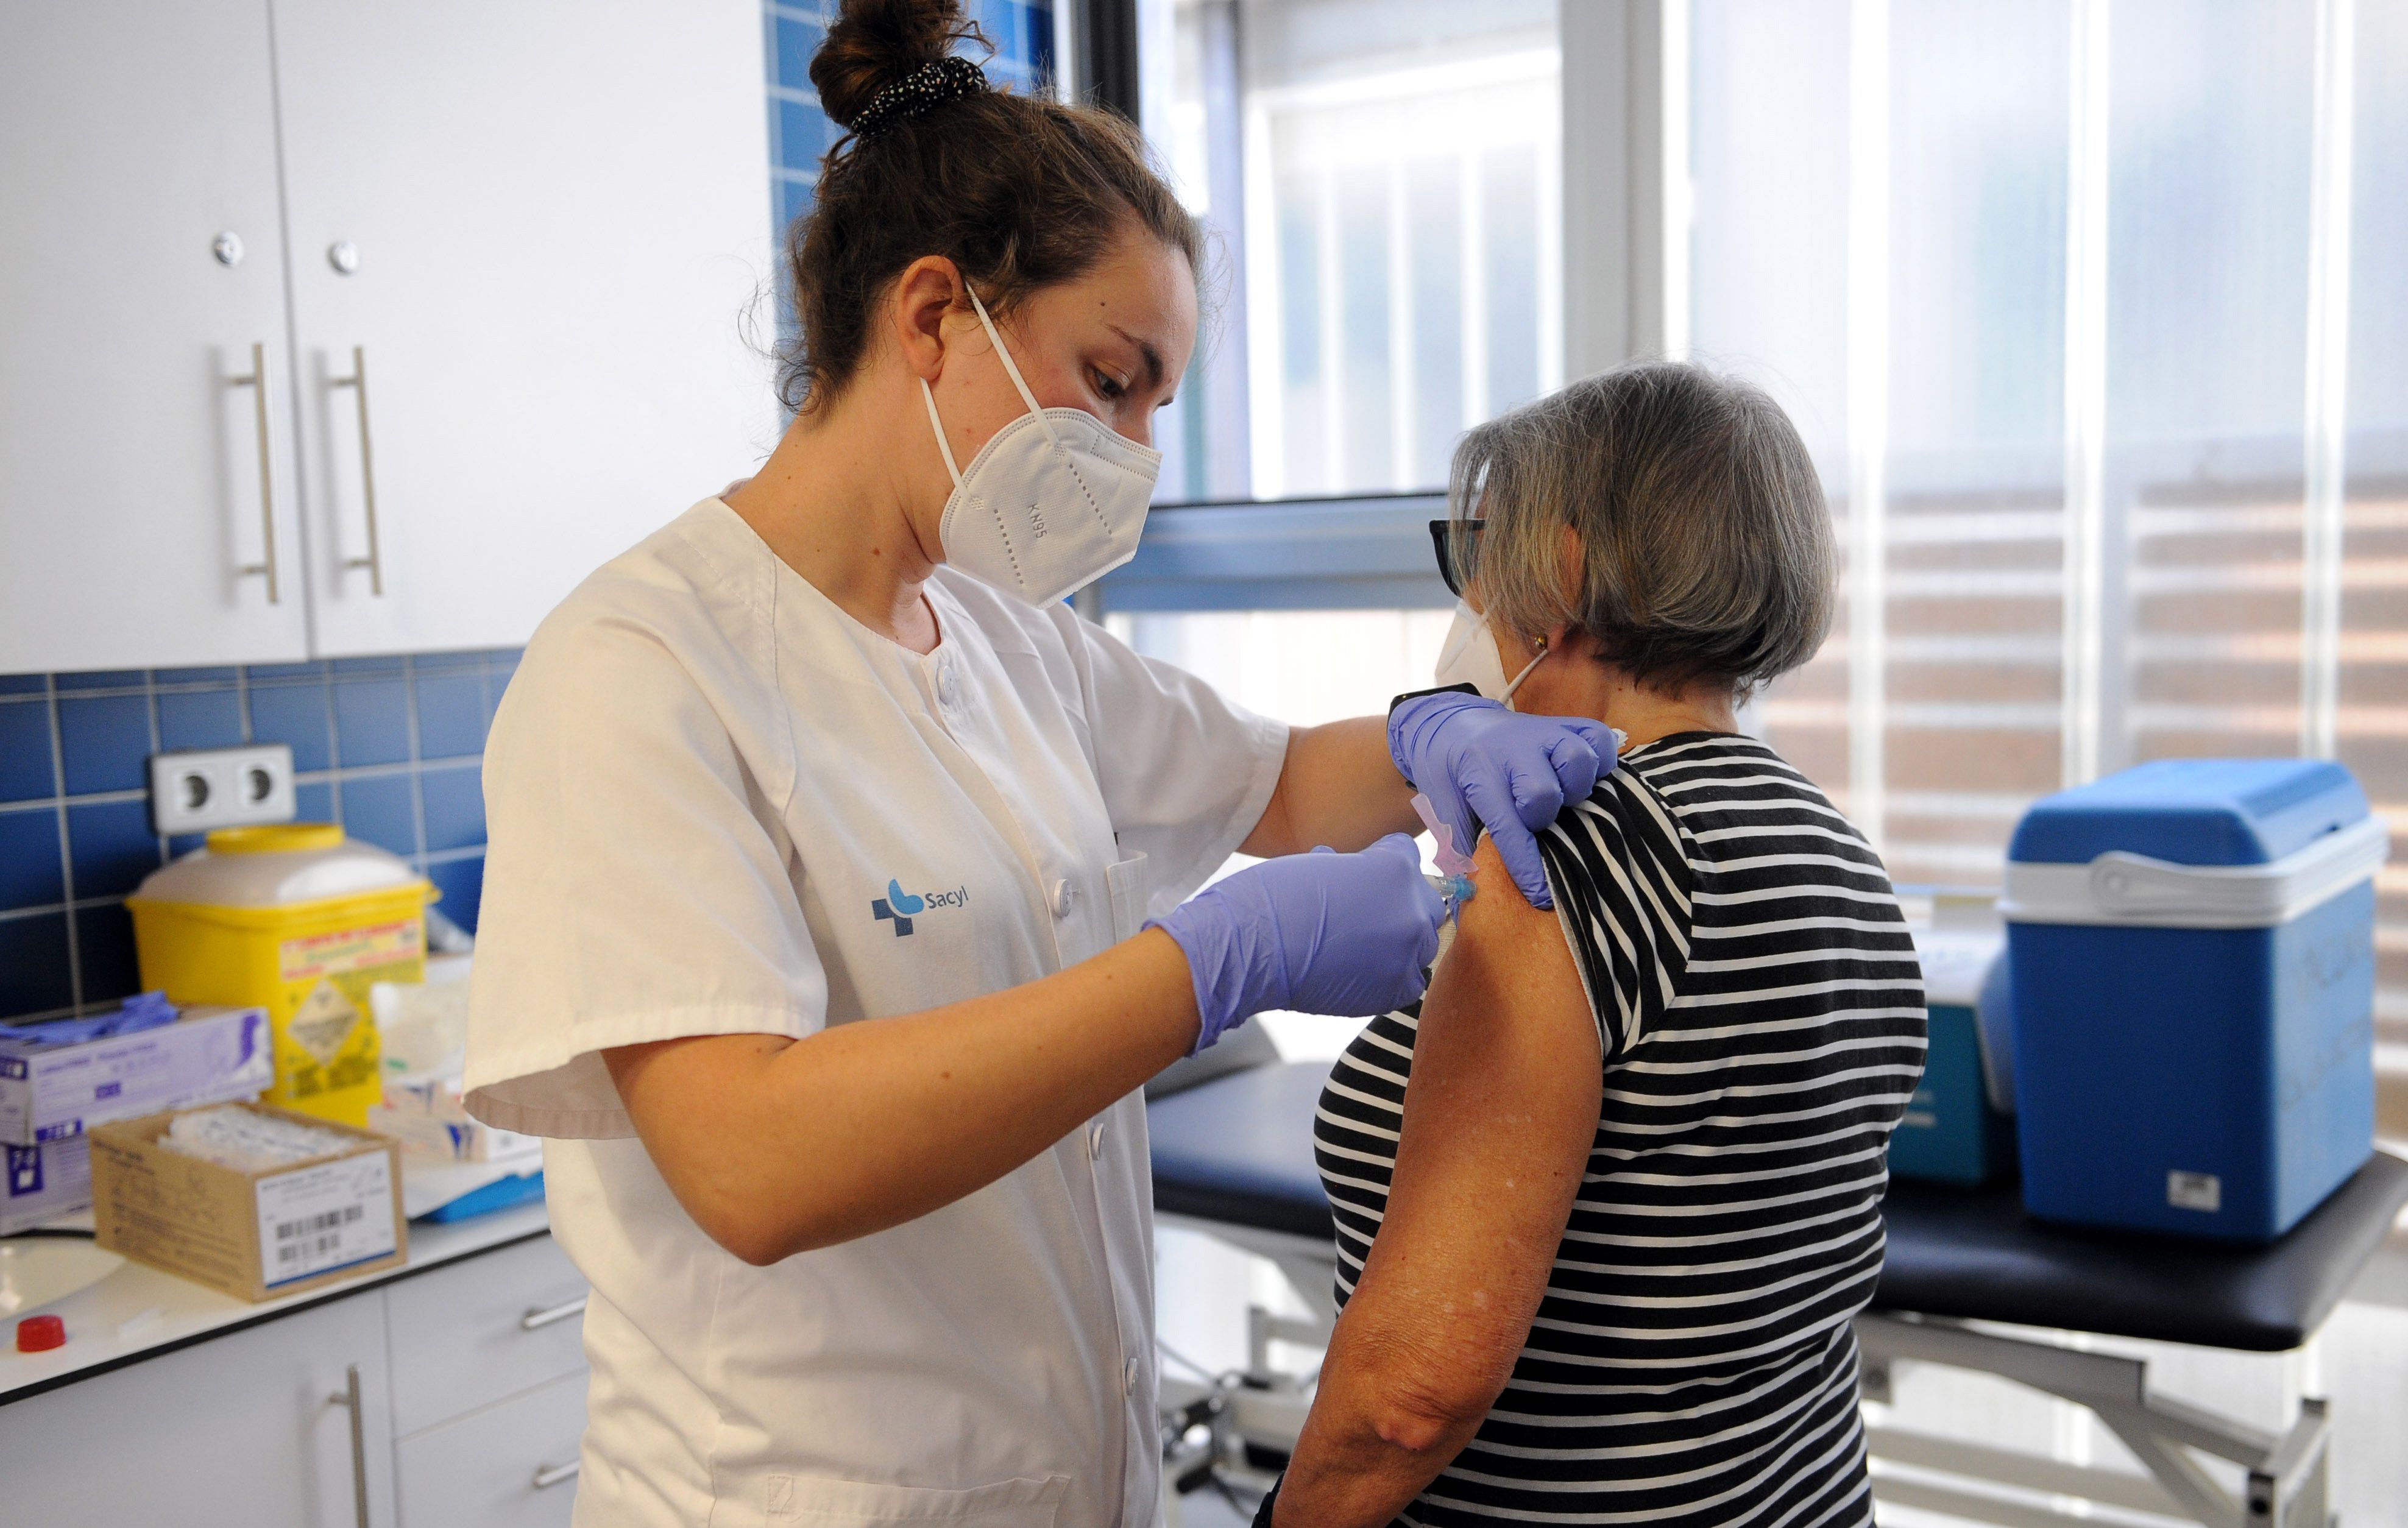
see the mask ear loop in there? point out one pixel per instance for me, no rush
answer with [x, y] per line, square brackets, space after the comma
[1012, 371]
[1516, 684]
[943, 446]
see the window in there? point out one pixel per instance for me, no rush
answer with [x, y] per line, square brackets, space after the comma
[2089, 314]
[1383, 185]
[1381, 181]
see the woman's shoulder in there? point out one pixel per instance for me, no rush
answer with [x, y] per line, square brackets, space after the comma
[668, 636]
[1675, 801]
[1628, 837]
[1735, 800]
[1694, 776]
[1640, 800]
[701, 583]
[703, 570]
[1696, 763]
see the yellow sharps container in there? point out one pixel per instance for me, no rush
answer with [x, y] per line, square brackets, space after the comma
[302, 922]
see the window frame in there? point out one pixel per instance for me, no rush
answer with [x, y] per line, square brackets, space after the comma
[1621, 161]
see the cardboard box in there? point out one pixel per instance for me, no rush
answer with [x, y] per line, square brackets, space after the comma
[45, 1180]
[209, 1055]
[255, 1235]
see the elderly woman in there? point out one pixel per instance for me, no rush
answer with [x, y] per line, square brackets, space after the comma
[1607, 1203]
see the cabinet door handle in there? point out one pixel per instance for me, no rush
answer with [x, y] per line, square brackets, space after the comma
[549, 1475]
[257, 382]
[358, 382]
[349, 1399]
[541, 1317]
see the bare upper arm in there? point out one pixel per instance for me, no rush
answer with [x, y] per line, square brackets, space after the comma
[682, 1096]
[1498, 1119]
[669, 1085]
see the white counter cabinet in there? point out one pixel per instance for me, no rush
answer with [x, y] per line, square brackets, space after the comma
[559, 215]
[241, 1432]
[144, 472]
[476, 1471]
[480, 1330]
[488, 1389]
[486, 313]
[470, 1380]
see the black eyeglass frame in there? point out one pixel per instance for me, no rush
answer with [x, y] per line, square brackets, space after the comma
[1442, 543]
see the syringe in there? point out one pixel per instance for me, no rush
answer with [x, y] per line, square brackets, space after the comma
[1454, 882]
[1457, 891]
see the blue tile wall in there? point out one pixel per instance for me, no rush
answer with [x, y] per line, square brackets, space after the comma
[800, 132]
[390, 748]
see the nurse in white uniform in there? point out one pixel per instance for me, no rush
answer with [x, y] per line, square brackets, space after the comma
[834, 903]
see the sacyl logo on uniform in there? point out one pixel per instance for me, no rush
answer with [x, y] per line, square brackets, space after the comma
[901, 907]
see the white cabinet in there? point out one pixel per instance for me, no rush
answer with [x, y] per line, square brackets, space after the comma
[489, 1390]
[141, 475]
[559, 214]
[241, 1431]
[479, 1331]
[512, 1465]
[555, 230]
[471, 1387]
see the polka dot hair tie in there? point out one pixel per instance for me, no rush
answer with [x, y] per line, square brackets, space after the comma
[931, 85]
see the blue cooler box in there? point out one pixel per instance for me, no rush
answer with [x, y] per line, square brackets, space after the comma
[2191, 945]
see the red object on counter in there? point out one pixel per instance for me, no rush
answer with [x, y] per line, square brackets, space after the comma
[40, 1333]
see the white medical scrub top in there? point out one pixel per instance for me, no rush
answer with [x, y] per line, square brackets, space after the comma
[717, 804]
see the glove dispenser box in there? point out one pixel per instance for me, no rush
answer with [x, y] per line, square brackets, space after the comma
[2191, 945]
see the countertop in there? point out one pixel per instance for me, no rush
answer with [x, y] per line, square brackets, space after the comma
[139, 1312]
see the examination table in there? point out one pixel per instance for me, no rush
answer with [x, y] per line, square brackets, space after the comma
[1233, 1159]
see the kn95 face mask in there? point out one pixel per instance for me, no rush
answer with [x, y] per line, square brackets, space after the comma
[1471, 656]
[1054, 502]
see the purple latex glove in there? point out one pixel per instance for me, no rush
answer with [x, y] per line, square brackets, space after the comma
[1322, 932]
[1482, 764]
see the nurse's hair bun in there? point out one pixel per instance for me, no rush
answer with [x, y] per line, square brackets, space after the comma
[1020, 192]
[873, 44]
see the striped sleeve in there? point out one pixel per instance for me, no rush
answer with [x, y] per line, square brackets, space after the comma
[1622, 884]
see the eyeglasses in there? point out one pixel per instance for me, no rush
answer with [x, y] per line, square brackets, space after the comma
[1457, 544]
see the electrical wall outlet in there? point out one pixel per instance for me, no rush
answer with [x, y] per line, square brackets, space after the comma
[221, 788]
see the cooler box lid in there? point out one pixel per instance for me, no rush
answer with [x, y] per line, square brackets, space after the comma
[2193, 811]
[2201, 843]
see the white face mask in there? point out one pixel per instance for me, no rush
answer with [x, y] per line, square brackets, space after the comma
[1471, 656]
[1053, 502]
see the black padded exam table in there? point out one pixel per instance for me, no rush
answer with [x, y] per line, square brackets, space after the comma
[1235, 1153]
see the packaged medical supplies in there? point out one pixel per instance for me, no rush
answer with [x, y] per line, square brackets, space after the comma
[61, 1078]
[249, 1142]
[423, 1025]
[310, 1202]
[424, 1029]
[428, 1117]
[45, 1180]
[302, 922]
[1959, 1127]
[2192, 949]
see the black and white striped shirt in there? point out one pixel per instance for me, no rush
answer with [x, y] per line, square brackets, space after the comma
[1761, 1014]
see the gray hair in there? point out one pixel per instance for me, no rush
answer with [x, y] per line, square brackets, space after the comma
[1706, 543]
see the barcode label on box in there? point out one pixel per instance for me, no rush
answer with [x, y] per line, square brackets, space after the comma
[2195, 1191]
[315, 1219]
